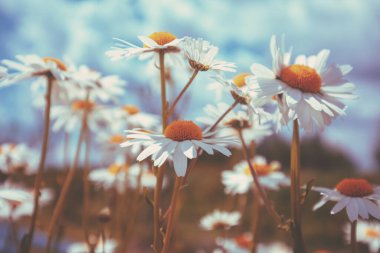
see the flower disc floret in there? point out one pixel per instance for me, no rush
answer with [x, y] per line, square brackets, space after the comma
[239, 80]
[131, 109]
[182, 130]
[162, 38]
[58, 62]
[82, 105]
[301, 77]
[354, 187]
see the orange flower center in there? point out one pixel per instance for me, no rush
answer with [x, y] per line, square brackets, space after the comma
[114, 169]
[301, 77]
[59, 63]
[131, 109]
[239, 80]
[373, 233]
[244, 241]
[354, 187]
[220, 226]
[261, 169]
[182, 130]
[162, 38]
[82, 105]
[116, 139]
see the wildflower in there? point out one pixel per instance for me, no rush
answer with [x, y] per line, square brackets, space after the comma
[367, 233]
[220, 220]
[357, 196]
[239, 180]
[200, 55]
[15, 158]
[180, 142]
[308, 90]
[157, 41]
[82, 247]
[239, 244]
[133, 117]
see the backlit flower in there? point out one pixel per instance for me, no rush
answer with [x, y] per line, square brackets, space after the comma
[17, 158]
[367, 233]
[180, 142]
[220, 220]
[239, 180]
[357, 196]
[82, 247]
[308, 90]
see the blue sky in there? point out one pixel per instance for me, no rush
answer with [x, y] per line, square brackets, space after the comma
[83, 31]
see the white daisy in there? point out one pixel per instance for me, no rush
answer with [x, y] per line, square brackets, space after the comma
[200, 54]
[254, 127]
[308, 90]
[239, 180]
[367, 233]
[82, 247]
[274, 247]
[239, 244]
[153, 43]
[17, 158]
[357, 196]
[30, 66]
[220, 220]
[133, 117]
[180, 142]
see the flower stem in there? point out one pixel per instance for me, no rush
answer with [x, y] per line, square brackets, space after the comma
[160, 173]
[299, 246]
[66, 185]
[173, 204]
[261, 192]
[86, 187]
[171, 110]
[212, 128]
[103, 239]
[41, 166]
[256, 207]
[353, 237]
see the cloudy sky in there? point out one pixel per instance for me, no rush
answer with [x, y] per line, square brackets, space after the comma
[83, 31]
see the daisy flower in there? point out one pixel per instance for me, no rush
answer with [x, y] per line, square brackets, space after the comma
[17, 158]
[252, 127]
[29, 66]
[157, 41]
[220, 220]
[274, 247]
[82, 247]
[17, 202]
[201, 56]
[3, 72]
[239, 180]
[133, 117]
[308, 89]
[357, 196]
[367, 233]
[180, 142]
[239, 244]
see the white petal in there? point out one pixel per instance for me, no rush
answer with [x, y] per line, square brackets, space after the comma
[180, 162]
[340, 205]
[352, 210]
[262, 71]
[372, 208]
[188, 149]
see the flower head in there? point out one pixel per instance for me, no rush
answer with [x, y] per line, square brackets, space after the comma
[15, 158]
[307, 90]
[220, 220]
[367, 233]
[357, 196]
[180, 141]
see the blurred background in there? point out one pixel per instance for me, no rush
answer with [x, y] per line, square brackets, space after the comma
[82, 30]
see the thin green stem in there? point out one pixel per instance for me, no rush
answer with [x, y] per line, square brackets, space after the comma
[86, 187]
[176, 100]
[299, 246]
[41, 166]
[256, 208]
[353, 237]
[213, 127]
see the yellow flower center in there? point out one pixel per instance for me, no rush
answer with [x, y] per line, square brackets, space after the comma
[162, 38]
[373, 233]
[354, 187]
[131, 109]
[261, 169]
[244, 241]
[301, 77]
[116, 139]
[82, 105]
[59, 63]
[239, 80]
[115, 169]
[182, 130]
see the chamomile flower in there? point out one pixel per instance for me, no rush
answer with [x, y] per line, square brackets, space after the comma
[308, 89]
[180, 142]
[367, 233]
[239, 180]
[201, 56]
[157, 41]
[133, 117]
[357, 196]
[239, 244]
[274, 247]
[16, 158]
[220, 220]
[82, 247]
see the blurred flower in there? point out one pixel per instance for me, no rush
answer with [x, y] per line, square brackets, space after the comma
[16, 158]
[133, 117]
[200, 54]
[356, 195]
[367, 233]
[239, 180]
[220, 220]
[157, 41]
[274, 247]
[308, 90]
[3, 72]
[82, 247]
[180, 141]
[239, 244]
[17, 202]
[252, 127]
